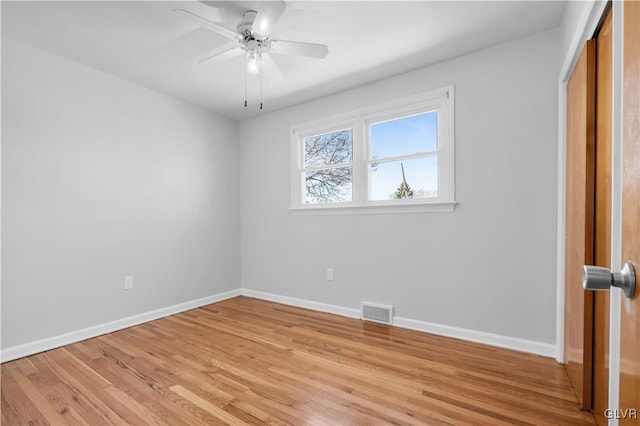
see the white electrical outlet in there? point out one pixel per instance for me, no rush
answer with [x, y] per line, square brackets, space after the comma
[128, 282]
[329, 274]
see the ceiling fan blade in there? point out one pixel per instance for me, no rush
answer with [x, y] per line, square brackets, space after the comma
[271, 69]
[246, 24]
[209, 24]
[312, 50]
[219, 51]
[269, 13]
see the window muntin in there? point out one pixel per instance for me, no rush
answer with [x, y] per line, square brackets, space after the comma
[413, 133]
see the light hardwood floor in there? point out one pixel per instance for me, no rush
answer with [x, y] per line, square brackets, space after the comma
[247, 361]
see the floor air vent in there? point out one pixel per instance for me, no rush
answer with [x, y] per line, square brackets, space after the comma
[377, 313]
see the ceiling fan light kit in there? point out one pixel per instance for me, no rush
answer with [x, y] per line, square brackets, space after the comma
[253, 56]
[252, 36]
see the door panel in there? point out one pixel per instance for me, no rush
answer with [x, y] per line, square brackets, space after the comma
[602, 254]
[630, 315]
[580, 222]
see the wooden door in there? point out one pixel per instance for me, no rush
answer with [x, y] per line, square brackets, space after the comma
[630, 315]
[579, 222]
[602, 237]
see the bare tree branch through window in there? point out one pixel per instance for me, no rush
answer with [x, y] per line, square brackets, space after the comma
[332, 183]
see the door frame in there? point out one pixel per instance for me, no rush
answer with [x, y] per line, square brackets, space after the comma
[585, 29]
[615, 305]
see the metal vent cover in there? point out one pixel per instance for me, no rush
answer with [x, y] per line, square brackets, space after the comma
[377, 313]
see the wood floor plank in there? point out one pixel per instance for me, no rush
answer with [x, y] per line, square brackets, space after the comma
[153, 399]
[248, 361]
[17, 406]
[78, 390]
[46, 399]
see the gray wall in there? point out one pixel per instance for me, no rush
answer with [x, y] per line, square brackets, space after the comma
[101, 179]
[489, 266]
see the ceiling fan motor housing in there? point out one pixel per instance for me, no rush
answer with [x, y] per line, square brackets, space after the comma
[253, 45]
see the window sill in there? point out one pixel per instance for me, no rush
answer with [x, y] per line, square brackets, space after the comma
[437, 207]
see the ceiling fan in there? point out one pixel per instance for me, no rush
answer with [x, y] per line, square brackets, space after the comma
[252, 35]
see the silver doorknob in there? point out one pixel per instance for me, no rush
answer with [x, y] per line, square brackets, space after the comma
[598, 278]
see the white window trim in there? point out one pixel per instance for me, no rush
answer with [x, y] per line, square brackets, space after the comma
[441, 100]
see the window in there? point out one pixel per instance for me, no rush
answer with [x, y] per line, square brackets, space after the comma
[328, 167]
[403, 157]
[396, 156]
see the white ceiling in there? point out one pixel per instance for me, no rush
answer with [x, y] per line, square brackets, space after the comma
[147, 43]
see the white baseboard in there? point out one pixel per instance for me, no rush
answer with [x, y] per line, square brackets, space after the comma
[522, 345]
[31, 348]
[302, 303]
[507, 342]
[514, 343]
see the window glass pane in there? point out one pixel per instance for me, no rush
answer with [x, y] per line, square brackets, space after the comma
[328, 185]
[420, 176]
[409, 135]
[328, 149]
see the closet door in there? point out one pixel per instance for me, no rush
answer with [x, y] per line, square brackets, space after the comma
[579, 222]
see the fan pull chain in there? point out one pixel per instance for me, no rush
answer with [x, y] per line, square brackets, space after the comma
[260, 87]
[245, 81]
